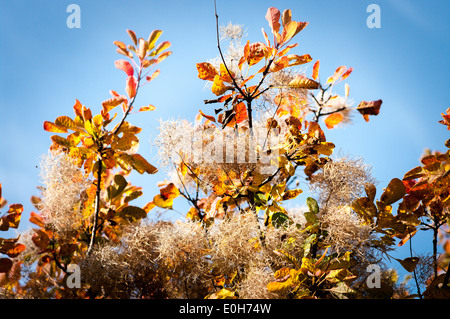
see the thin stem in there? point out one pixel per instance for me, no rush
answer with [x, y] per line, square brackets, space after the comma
[97, 202]
[414, 271]
[221, 54]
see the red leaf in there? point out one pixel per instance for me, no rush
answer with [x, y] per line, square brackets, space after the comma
[131, 86]
[346, 73]
[124, 66]
[316, 67]
[273, 17]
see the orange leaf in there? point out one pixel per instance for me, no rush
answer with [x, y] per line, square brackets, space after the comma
[256, 52]
[37, 219]
[209, 117]
[316, 67]
[124, 66]
[278, 64]
[16, 250]
[131, 86]
[111, 103]
[154, 75]
[82, 111]
[206, 71]
[298, 59]
[149, 206]
[147, 108]
[337, 74]
[333, 120]
[241, 112]
[369, 108]
[51, 127]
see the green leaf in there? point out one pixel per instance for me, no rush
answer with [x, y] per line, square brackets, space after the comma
[280, 219]
[312, 205]
[311, 218]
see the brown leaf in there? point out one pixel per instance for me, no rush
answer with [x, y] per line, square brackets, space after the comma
[369, 108]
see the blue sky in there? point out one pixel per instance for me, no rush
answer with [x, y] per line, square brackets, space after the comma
[45, 66]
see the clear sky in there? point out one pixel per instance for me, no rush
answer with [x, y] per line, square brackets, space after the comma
[45, 66]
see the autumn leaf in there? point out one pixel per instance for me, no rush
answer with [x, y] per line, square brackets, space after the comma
[5, 265]
[369, 108]
[292, 193]
[141, 165]
[41, 239]
[37, 219]
[147, 108]
[166, 196]
[446, 119]
[291, 29]
[409, 263]
[16, 250]
[298, 59]
[132, 36]
[333, 119]
[394, 191]
[154, 75]
[124, 66]
[302, 82]
[161, 47]
[132, 213]
[208, 117]
[346, 73]
[152, 38]
[315, 73]
[337, 74]
[255, 53]
[52, 127]
[206, 71]
[131, 86]
[273, 17]
[218, 87]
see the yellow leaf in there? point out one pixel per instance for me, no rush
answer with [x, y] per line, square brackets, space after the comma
[147, 108]
[292, 193]
[224, 293]
[218, 88]
[301, 81]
